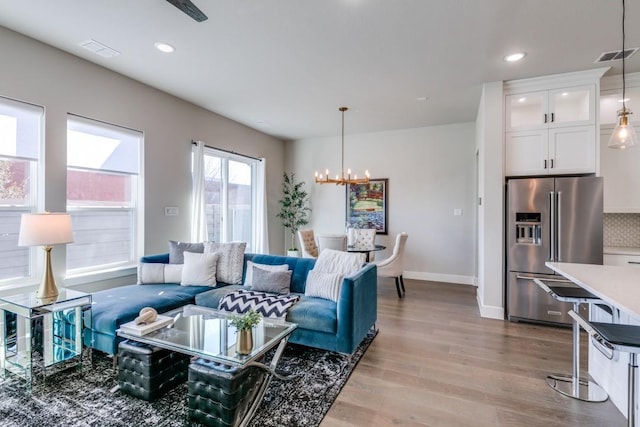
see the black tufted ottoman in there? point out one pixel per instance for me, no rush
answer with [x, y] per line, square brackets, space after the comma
[147, 372]
[221, 395]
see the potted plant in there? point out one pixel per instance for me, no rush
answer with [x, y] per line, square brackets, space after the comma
[294, 208]
[244, 325]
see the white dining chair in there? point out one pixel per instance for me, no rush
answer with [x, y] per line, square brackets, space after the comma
[365, 238]
[332, 241]
[394, 265]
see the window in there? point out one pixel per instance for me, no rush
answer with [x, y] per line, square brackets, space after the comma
[103, 193]
[21, 127]
[229, 197]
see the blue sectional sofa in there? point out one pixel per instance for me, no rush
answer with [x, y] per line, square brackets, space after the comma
[321, 323]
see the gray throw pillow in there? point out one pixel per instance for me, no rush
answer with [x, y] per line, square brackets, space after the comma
[277, 282]
[177, 249]
[231, 260]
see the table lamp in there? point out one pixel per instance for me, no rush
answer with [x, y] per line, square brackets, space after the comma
[46, 229]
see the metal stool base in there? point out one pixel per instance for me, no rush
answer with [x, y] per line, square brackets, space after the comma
[587, 391]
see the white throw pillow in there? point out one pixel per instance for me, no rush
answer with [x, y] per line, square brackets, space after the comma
[230, 262]
[199, 269]
[150, 272]
[331, 267]
[155, 272]
[344, 263]
[248, 277]
[173, 273]
[322, 284]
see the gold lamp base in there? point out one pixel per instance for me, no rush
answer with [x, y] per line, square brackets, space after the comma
[48, 288]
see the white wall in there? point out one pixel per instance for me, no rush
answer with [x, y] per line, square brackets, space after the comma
[62, 83]
[431, 171]
[490, 150]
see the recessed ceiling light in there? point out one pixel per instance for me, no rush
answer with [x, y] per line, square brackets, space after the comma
[421, 98]
[565, 93]
[515, 57]
[522, 99]
[624, 100]
[164, 47]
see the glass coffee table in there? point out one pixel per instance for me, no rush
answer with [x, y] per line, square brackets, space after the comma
[206, 334]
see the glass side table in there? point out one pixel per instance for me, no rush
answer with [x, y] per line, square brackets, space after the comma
[38, 332]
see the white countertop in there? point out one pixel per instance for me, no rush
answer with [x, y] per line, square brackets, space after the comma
[619, 250]
[619, 286]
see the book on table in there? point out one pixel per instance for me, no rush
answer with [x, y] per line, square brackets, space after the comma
[132, 328]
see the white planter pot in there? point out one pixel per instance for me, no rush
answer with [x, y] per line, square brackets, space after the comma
[294, 254]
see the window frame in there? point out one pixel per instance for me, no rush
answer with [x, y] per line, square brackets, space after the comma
[135, 206]
[226, 156]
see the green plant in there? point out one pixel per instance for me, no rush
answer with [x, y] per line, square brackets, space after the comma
[246, 321]
[294, 206]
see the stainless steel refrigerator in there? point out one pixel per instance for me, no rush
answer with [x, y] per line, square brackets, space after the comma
[549, 219]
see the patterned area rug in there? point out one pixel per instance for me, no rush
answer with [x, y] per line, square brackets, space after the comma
[73, 398]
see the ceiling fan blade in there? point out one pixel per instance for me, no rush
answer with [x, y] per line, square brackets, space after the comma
[190, 9]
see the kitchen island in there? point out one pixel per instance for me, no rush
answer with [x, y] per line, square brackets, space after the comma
[619, 286]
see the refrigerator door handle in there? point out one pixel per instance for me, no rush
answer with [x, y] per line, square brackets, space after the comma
[552, 226]
[559, 226]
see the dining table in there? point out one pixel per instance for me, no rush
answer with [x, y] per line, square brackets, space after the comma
[365, 249]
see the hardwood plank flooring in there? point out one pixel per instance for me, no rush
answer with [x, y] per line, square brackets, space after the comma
[436, 362]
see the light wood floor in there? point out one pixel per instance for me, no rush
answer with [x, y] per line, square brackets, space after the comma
[436, 362]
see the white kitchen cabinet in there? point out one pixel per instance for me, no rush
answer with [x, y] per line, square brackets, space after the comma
[573, 106]
[621, 172]
[621, 260]
[551, 132]
[560, 150]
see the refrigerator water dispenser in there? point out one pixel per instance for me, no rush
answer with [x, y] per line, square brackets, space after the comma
[528, 228]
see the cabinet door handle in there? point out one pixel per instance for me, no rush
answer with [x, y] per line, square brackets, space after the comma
[551, 163]
[545, 117]
[552, 117]
[633, 262]
[545, 164]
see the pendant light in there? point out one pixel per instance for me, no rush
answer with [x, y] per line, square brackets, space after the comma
[342, 179]
[623, 135]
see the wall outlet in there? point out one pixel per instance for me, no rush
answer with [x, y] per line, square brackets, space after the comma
[170, 211]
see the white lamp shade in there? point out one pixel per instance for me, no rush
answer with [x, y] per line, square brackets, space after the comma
[45, 229]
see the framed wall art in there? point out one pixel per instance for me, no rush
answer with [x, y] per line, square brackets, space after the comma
[367, 205]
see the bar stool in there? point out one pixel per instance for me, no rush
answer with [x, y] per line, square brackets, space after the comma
[624, 338]
[572, 385]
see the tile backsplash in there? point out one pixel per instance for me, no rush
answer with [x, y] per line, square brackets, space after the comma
[622, 229]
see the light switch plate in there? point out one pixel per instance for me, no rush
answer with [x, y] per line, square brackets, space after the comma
[457, 212]
[170, 211]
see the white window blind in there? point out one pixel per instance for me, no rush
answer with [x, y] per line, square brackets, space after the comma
[103, 184]
[21, 130]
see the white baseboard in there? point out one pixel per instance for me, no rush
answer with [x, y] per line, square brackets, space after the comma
[489, 311]
[437, 277]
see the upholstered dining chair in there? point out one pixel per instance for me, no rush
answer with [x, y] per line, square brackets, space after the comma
[332, 241]
[394, 265]
[308, 244]
[365, 237]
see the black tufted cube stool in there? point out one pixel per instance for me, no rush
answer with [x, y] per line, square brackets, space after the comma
[147, 372]
[222, 395]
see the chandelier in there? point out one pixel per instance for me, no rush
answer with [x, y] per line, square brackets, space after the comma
[623, 135]
[342, 179]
